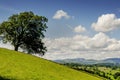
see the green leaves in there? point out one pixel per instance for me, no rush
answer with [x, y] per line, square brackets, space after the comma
[25, 30]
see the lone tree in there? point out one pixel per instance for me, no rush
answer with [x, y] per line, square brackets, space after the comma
[25, 30]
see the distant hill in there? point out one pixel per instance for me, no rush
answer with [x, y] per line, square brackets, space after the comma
[78, 60]
[18, 66]
[115, 61]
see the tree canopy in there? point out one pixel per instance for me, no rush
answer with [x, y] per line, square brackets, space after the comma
[25, 30]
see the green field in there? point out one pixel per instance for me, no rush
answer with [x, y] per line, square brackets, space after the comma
[19, 66]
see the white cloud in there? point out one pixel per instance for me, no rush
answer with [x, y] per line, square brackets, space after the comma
[100, 46]
[114, 47]
[100, 40]
[79, 29]
[60, 14]
[106, 22]
[7, 45]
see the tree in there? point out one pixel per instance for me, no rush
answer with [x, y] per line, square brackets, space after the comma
[25, 30]
[118, 78]
[117, 75]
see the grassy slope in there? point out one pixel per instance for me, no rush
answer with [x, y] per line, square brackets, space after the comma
[15, 65]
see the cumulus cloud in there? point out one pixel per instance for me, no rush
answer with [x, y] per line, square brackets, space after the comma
[83, 46]
[100, 40]
[7, 45]
[114, 47]
[99, 46]
[106, 22]
[79, 29]
[61, 14]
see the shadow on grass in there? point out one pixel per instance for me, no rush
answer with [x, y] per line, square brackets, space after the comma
[3, 78]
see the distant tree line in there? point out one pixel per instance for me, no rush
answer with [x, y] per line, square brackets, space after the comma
[93, 69]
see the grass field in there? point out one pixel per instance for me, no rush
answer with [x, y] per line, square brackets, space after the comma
[19, 66]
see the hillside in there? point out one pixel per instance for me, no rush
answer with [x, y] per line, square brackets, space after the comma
[19, 66]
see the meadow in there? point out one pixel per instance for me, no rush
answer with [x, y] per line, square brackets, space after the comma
[19, 66]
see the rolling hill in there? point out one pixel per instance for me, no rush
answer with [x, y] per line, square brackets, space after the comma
[110, 61]
[18, 66]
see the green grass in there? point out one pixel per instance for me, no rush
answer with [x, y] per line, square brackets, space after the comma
[19, 66]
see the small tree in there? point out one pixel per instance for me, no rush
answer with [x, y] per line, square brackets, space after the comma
[117, 75]
[25, 30]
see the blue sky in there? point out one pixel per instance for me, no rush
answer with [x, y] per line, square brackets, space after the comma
[76, 20]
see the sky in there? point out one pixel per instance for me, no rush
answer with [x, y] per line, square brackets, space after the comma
[76, 28]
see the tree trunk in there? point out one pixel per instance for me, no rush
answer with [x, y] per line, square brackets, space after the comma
[16, 47]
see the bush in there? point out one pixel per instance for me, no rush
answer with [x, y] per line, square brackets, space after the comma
[117, 75]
